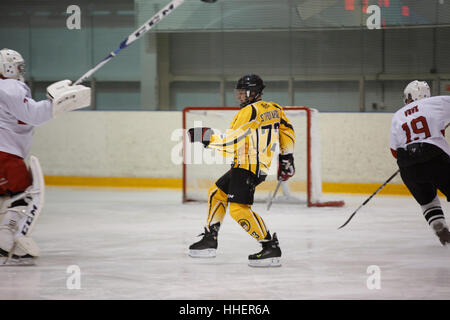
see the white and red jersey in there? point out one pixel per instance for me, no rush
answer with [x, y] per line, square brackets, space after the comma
[19, 114]
[421, 121]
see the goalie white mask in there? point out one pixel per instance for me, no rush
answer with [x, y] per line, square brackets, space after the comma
[12, 65]
[416, 90]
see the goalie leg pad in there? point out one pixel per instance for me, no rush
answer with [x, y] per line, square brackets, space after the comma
[20, 246]
[21, 215]
[3, 204]
[25, 246]
[6, 236]
[34, 196]
[15, 253]
[7, 259]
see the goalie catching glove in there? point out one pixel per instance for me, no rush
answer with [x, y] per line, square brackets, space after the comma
[66, 97]
[202, 134]
[286, 168]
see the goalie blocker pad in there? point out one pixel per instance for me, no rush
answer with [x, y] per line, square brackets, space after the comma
[66, 97]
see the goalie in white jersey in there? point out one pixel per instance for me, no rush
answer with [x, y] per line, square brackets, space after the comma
[417, 141]
[21, 189]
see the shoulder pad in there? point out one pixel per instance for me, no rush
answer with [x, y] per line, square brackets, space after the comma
[276, 105]
[14, 89]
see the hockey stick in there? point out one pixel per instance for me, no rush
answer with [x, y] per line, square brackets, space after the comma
[134, 36]
[381, 187]
[368, 199]
[274, 194]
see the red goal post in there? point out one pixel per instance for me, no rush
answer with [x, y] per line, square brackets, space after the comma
[312, 176]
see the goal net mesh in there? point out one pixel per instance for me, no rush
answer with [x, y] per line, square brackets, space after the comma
[203, 166]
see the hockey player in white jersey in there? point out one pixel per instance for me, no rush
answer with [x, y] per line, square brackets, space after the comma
[22, 189]
[417, 141]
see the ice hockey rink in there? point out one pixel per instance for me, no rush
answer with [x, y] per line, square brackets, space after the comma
[132, 244]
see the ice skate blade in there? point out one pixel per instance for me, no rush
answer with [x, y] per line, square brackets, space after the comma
[205, 253]
[265, 263]
[5, 262]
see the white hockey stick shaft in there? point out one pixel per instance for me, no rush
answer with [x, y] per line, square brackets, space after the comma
[134, 36]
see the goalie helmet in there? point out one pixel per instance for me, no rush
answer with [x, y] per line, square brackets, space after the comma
[12, 65]
[416, 90]
[253, 86]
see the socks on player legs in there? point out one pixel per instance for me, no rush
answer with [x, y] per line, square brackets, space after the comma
[217, 205]
[434, 215]
[249, 220]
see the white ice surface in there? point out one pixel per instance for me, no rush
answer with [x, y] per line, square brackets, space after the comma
[132, 244]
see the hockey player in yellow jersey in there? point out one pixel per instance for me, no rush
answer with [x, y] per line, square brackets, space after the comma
[252, 139]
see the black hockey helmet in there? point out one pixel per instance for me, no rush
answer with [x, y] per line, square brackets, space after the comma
[253, 85]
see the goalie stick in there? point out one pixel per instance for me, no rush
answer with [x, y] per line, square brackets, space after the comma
[373, 194]
[136, 35]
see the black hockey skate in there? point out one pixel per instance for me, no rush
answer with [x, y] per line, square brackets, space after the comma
[444, 236]
[206, 247]
[442, 232]
[270, 254]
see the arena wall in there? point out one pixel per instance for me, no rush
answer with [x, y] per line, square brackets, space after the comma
[138, 148]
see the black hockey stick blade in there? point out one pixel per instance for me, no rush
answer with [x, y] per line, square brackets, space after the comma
[368, 199]
[350, 218]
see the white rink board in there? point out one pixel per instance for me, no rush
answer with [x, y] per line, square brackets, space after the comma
[355, 146]
[133, 245]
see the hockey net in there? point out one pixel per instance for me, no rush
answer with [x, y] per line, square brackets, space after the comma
[202, 166]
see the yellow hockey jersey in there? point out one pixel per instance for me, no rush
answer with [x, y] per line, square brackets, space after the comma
[253, 136]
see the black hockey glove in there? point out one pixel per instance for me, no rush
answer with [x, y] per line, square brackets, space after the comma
[286, 168]
[202, 134]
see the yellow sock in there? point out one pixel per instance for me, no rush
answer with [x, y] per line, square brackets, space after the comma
[217, 205]
[250, 221]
